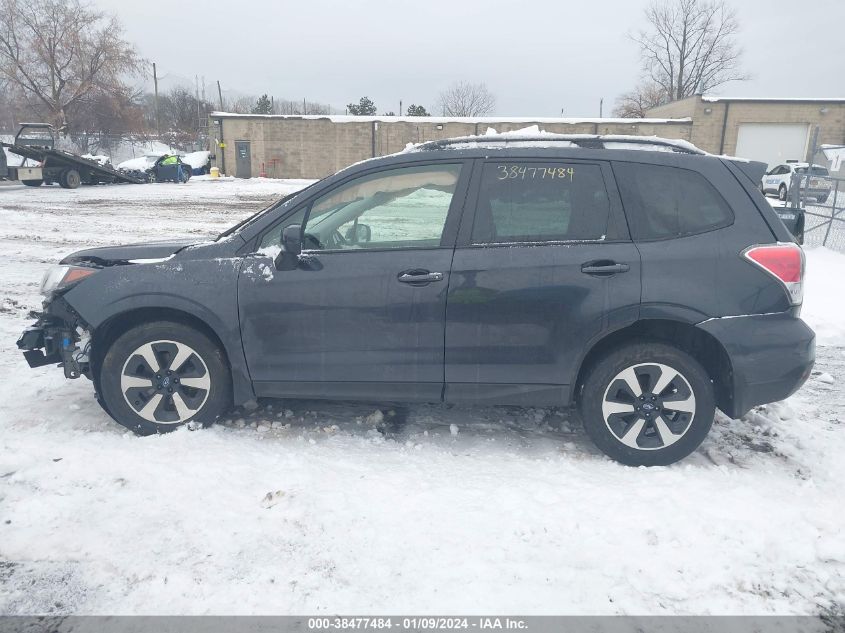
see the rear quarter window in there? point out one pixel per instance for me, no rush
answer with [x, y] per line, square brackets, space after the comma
[664, 202]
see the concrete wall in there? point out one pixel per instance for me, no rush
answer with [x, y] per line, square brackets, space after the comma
[314, 147]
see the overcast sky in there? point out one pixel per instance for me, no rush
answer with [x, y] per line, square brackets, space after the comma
[536, 56]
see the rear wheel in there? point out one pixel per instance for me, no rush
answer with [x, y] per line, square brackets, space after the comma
[32, 183]
[158, 376]
[69, 179]
[647, 404]
[782, 193]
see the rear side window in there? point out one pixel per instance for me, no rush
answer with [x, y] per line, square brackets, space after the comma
[663, 202]
[540, 202]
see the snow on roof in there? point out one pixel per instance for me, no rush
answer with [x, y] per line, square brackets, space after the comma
[710, 99]
[348, 118]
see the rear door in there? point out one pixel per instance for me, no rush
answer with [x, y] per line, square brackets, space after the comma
[544, 265]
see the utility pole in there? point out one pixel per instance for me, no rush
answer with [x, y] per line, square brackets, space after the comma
[400, 107]
[199, 113]
[601, 108]
[155, 85]
[220, 95]
[304, 107]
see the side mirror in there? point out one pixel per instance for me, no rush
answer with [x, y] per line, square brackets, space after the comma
[292, 239]
[291, 248]
[359, 233]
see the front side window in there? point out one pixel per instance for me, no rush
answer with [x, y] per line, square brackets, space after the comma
[397, 208]
[540, 202]
[664, 202]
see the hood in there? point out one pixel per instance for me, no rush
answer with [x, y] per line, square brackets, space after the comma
[128, 253]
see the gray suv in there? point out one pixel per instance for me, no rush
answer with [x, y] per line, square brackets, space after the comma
[641, 281]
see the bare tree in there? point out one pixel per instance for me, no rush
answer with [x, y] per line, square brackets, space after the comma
[61, 52]
[636, 103]
[466, 99]
[690, 46]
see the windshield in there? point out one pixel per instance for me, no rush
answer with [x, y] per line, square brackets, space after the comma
[255, 216]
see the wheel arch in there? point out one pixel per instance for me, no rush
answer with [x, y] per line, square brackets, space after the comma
[117, 324]
[701, 345]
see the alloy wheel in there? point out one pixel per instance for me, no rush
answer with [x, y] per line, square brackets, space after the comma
[648, 406]
[166, 382]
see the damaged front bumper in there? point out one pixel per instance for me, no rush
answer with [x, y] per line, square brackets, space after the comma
[57, 339]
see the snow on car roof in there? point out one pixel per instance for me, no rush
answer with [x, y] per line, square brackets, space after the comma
[533, 137]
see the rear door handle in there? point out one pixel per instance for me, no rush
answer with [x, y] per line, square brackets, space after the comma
[604, 269]
[419, 277]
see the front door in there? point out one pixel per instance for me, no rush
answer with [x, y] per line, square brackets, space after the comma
[541, 270]
[243, 160]
[362, 315]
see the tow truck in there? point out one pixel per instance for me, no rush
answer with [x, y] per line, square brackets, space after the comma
[36, 142]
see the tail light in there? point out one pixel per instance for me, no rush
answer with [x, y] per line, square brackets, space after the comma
[785, 262]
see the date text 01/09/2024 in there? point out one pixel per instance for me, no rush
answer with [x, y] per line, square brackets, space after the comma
[430, 623]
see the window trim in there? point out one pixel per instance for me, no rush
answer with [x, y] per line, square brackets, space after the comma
[616, 220]
[453, 214]
[632, 210]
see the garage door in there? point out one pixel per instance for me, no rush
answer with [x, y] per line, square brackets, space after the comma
[772, 143]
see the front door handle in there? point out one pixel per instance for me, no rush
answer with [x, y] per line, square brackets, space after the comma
[419, 277]
[604, 268]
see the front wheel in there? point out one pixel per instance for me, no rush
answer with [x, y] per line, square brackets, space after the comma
[160, 375]
[782, 193]
[647, 404]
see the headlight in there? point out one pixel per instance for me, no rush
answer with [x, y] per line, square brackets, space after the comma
[59, 277]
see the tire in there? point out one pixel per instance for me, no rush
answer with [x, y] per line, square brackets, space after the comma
[69, 179]
[33, 183]
[653, 433]
[782, 192]
[168, 402]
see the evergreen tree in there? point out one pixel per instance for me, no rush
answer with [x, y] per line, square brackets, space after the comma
[263, 105]
[417, 110]
[364, 107]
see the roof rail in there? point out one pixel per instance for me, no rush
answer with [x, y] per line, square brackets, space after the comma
[587, 141]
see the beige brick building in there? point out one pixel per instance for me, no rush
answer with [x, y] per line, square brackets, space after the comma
[281, 146]
[772, 130]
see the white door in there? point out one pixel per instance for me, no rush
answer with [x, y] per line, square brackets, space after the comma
[772, 143]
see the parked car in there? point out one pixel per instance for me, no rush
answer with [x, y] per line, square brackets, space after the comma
[646, 288]
[779, 179]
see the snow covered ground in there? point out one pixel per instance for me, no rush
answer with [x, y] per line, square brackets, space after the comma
[306, 507]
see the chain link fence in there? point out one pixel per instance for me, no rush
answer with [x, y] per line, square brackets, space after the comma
[822, 197]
